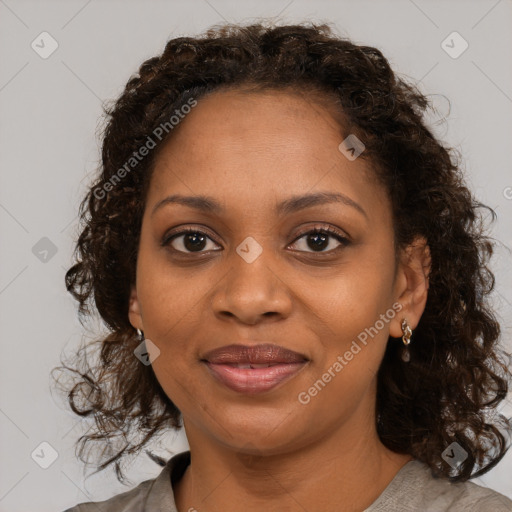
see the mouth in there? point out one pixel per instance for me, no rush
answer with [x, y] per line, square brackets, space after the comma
[253, 369]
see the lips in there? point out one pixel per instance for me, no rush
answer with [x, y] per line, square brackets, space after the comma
[253, 369]
[265, 354]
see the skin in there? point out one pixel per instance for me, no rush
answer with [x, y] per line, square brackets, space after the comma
[268, 451]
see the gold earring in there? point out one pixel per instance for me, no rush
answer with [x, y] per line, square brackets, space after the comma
[406, 331]
[406, 338]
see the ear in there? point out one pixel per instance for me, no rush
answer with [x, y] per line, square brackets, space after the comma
[134, 310]
[411, 285]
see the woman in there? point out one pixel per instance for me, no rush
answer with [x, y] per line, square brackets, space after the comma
[292, 268]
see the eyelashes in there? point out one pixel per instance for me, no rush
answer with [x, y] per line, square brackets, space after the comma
[176, 241]
[326, 233]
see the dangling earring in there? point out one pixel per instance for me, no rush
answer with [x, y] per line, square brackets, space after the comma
[406, 338]
[140, 335]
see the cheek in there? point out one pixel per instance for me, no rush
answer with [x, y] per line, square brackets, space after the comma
[178, 383]
[355, 297]
[170, 298]
[350, 326]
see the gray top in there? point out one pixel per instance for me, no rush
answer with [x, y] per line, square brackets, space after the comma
[412, 489]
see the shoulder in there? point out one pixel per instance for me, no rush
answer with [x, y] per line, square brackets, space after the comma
[151, 495]
[415, 488]
[126, 501]
[466, 496]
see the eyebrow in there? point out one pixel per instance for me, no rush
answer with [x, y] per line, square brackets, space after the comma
[290, 205]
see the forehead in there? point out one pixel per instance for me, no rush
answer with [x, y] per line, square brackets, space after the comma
[278, 117]
[242, 145]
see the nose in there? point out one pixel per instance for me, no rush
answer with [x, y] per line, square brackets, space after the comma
[252, 291]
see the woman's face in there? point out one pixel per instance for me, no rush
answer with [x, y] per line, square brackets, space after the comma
[251, 274]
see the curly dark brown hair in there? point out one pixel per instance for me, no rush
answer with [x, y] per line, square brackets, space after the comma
[457, 375]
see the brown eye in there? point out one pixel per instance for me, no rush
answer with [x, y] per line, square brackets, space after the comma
[320, 239]
[189, 240]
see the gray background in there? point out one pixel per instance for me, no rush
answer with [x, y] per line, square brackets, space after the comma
[50, 110]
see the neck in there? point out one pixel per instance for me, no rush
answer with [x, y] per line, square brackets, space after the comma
[342, 471]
